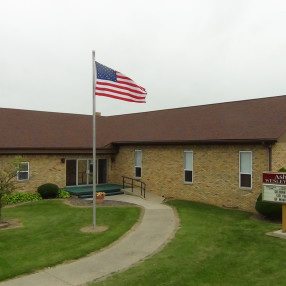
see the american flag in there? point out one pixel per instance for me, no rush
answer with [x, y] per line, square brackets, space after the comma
[114, 84]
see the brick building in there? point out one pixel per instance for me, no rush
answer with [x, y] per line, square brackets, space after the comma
[213, 153]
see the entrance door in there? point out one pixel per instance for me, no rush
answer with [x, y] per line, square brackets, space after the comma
[70, 172]
[80, 172]
[90, 172]
[101, 171]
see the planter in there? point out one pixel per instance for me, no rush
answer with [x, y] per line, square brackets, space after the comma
[99, 199]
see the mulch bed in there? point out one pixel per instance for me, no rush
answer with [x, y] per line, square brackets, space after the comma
[8, 224]
[89, 203]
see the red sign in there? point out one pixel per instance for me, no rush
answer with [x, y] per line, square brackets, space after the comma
[274, 178]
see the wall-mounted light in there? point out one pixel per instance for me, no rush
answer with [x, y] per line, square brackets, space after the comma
[63, 160]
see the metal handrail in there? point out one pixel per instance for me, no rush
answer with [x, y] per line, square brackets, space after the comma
[132, 184]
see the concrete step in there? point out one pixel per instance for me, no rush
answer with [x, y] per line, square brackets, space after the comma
[110, 193]
[114, 193]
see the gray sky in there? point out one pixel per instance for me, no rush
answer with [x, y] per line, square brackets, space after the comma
[184, 52]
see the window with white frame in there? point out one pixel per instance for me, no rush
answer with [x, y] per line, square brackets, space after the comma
[23, 172]
[188, 166]
[245, 169]
[138, 163]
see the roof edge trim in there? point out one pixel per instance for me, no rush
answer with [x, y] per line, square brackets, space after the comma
[200, 142]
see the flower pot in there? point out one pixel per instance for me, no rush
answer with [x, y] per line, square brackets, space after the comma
[99, 199]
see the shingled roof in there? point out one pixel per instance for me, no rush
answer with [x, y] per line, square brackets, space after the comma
[257, 120]
[249, 120]
[25, 129]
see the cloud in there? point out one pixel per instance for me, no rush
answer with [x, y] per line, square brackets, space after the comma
[184, 53]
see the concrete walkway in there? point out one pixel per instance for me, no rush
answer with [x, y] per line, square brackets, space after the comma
[155, 229]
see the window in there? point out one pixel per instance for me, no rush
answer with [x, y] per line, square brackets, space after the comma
[245, 169]
[23, 173]
[138, 163]
[188, 166]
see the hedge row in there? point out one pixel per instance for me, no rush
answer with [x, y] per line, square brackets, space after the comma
[45, 191]
[20, 198]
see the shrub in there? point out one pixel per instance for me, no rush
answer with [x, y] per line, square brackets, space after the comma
[268, 209]
[62, 194]
[20, 198]
[48, 191]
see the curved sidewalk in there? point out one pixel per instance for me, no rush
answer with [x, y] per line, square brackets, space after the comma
[156, 227]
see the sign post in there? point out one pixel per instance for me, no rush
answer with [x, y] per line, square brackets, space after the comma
[284, 218]
[274, 190]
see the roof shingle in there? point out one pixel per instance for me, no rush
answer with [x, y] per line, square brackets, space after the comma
[258, 120]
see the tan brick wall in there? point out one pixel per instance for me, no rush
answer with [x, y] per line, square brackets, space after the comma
[46, 169]
[42, 169]
[216, 172]
[278, 156]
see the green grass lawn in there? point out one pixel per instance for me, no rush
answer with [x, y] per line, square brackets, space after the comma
[213, 246]
[51, 234]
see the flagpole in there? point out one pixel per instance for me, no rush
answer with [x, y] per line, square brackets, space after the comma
[94, 78]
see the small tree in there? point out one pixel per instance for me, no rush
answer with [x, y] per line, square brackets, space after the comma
[8, 171]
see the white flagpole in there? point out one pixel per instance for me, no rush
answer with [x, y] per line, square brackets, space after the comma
[94, 78]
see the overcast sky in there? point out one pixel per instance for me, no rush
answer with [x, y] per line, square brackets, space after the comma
[184, 52]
